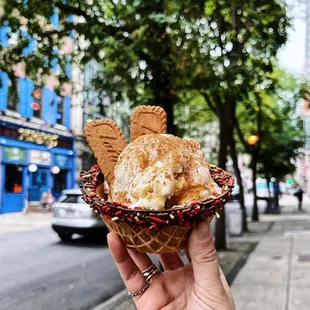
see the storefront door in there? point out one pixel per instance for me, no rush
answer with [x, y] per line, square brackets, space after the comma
[39, 182]
[13, 188]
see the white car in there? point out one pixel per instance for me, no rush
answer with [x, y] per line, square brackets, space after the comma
[71, 215]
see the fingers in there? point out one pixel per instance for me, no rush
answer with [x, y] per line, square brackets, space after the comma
[227, 289]
[204, 258]
[171, 261]
[127, 268]
[141, 259]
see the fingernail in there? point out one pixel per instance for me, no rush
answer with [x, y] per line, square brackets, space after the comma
[203, 231]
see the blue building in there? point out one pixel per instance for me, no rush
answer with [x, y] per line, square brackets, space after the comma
[37, 147]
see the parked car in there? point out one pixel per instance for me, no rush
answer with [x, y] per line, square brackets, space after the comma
[71, 215]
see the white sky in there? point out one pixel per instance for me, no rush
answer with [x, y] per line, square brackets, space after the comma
[292, 56]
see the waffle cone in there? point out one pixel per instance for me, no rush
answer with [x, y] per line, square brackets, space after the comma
[167, 240]
[154, 231]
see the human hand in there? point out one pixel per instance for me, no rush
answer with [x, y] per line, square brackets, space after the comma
[199, 285]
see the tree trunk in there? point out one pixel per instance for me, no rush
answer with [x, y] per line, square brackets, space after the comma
[255, 216]
[234, 157]
[268, 185]
[220, 228]
[226, 119]
[276, 195]
[168, 107]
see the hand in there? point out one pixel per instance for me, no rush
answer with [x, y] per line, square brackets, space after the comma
[199, 285]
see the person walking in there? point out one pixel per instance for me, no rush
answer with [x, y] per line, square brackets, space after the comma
[298, 193]
[47, 199]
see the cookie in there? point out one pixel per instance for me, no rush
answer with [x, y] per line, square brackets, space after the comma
[147, 120]
[107, 142]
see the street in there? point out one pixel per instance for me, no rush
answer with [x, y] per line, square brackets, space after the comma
[37, 271]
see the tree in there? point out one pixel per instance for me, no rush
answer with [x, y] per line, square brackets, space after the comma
[272, 113]
[150, 51]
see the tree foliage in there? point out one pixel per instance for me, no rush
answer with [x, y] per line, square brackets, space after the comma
[281, 132]
[154, 52]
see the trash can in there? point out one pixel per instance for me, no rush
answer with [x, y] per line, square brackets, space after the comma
[234, 219]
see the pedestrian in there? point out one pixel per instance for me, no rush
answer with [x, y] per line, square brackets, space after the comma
[299, 194]
[200, 284]
[47, 199]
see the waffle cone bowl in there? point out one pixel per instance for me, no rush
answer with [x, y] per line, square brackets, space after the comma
[154, 231]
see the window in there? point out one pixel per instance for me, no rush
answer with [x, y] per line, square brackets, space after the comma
[60, 111]
[13, 97]
[13, 179]
[36, 105]
[92, 99]
[60, 181]
[71, 198]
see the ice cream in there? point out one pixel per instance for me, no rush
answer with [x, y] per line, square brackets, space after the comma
[159, 171]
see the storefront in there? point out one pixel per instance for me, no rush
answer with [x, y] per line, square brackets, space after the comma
[33, 161]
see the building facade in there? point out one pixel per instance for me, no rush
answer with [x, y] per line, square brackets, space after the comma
[37, 146]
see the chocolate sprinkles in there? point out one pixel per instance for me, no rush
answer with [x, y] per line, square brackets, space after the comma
[188, 215]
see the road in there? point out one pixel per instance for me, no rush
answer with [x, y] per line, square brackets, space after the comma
[37, 271]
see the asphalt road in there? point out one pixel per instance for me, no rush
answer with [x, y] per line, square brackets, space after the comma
[38, 272]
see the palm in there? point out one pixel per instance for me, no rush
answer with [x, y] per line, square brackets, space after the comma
[199, 285]
[174, 296]
[177, 289]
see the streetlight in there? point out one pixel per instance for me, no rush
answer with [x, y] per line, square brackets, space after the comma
[252, 139]
[253, 148]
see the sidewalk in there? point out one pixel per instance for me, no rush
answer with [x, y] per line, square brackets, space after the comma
[276, 275]
[18, 222]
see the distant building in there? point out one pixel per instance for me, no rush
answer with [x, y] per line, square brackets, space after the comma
[37, 147]
[90, 104]
[302, 174]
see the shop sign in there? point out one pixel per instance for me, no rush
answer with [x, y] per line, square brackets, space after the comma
[39, 157]
[38, 137]
[61, 160]
[15, 153]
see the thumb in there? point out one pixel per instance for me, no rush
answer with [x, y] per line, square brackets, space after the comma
[204, 258]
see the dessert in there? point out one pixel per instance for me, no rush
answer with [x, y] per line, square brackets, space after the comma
[161, 171]
[153, 191]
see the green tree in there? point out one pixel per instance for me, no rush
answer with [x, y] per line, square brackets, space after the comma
[151, 51]
[272, 113]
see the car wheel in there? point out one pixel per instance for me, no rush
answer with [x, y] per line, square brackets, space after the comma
[65, 236]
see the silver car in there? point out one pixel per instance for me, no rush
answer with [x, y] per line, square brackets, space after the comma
[71, 215]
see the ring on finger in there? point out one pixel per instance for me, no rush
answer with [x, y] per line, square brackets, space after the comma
[141, 291]
[149, 272]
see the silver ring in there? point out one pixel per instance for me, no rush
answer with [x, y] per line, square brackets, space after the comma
[149, 272]
[141, 291]
[148, 269]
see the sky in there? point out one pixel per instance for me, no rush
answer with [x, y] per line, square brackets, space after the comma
[292, 55]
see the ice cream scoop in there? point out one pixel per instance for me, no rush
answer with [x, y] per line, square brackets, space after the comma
[159, 171]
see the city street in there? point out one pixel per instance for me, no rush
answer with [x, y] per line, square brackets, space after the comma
[39, 272]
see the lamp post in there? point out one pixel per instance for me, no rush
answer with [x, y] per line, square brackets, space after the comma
[253, 142]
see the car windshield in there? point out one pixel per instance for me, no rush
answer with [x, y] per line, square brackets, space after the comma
[69, 198]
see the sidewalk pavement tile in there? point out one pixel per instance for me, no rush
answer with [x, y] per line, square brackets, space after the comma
[258, 297]
[18, 222]
[299, 298]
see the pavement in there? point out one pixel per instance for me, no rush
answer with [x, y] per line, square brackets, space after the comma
[18, 222]
[276, 275]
